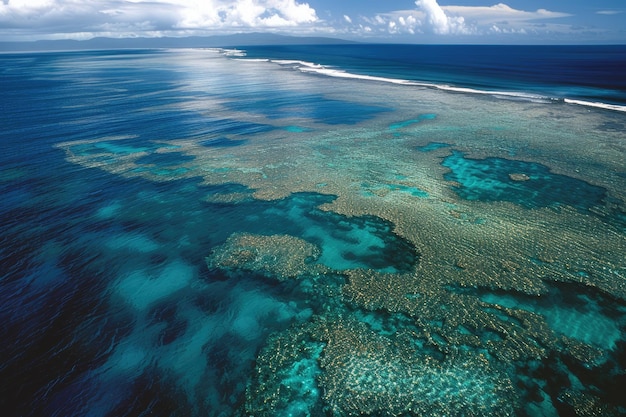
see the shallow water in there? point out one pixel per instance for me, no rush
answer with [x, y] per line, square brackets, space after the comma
[188, 234]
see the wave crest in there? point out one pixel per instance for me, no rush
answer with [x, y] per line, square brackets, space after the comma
[319, 69]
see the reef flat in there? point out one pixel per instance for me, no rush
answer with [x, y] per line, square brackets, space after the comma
[417, 252]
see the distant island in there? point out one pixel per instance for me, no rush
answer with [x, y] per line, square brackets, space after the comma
[235, 40]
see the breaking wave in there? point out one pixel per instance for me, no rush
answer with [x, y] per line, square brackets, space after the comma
[332, 71]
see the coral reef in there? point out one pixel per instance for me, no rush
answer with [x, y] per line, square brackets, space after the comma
[485, 206]
[363, 373]
[277, 256]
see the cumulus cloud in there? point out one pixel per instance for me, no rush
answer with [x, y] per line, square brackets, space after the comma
[244, 13]
[429, 17]
[136, 17]
[393, 23]
[37, 19]
[439, 21]
[432, 19]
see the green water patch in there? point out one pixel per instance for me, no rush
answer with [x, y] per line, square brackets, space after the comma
[117, 147]
[407, 123]
[12, 174]
[528, 184]
[297, 129]
[432, 146]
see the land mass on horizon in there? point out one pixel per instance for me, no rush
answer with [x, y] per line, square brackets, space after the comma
[234, 40]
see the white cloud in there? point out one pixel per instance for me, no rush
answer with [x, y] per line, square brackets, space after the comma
[609, 12]
[436, 21]
[503, 19]
[439, 22]
[394, 23]
[485, 15]
[37, 19]
[135, 17]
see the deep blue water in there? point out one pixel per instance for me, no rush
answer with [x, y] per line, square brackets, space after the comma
[590, 73]
[107, 306]
[69, 232]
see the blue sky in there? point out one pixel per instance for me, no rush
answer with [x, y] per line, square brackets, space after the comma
[421, 21]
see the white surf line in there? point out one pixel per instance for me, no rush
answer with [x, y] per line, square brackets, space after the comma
[309, 67]
[596, 104]
[319, 69]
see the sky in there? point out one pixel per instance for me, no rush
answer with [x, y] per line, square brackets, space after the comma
[421, 21]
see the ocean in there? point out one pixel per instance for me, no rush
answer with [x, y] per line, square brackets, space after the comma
[321, 230]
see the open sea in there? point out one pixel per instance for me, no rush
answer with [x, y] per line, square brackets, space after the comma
[332, 230]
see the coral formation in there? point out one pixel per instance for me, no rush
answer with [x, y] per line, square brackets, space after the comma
[277, 256]
[486, 205]
[363, 373]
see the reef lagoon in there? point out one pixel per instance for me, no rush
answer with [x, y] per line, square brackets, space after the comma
[342, 230]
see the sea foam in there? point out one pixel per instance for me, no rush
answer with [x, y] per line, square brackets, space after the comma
[310, 67]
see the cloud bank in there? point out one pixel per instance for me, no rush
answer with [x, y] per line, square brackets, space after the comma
[86, 18]
[430, 18]
[426, 21]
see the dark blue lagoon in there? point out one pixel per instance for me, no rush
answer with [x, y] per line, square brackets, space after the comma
[313, 231]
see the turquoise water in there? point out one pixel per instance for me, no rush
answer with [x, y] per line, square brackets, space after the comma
[185, 233]
[528, 184]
